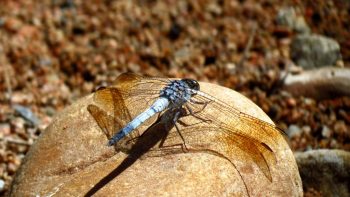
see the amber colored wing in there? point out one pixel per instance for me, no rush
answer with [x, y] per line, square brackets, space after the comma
[118, 104]
[129, 93]
[110, 113]
[106, 122]
[224, 129]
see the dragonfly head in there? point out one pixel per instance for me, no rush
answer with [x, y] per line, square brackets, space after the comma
[192, 84]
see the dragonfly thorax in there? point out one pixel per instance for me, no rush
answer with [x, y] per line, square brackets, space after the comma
[179, 92]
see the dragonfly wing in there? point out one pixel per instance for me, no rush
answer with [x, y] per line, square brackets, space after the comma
[106, 122]
[109, 103]
[129, 96]
[136, 92]
[253, 136]
[138, 88]
[261, 154]
[133, 81]
[235, 147]
[233, 119]
[224, 129]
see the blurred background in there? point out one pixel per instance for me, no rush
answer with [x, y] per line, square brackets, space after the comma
[290, 57]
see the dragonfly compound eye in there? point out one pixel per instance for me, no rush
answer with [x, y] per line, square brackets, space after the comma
[193, 84]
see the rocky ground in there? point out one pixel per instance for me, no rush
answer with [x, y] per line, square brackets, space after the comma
[54, 52]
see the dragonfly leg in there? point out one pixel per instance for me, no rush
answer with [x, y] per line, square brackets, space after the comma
[177, 115]
[192, 113]
[188, 125]
[183, 145]
[183, 123]
[200, 103]
[176, 118]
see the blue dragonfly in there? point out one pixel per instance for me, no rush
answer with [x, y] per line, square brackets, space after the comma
[127, 108]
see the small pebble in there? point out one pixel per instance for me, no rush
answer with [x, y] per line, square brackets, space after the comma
[5, 129]
[18, 123]
[309, 102]
[27, 114]
[334, 143]
[306, 129]
[291, 102]
[11, 168]
[340, 128]
[326, 132]
[293, 131]
[2, 185]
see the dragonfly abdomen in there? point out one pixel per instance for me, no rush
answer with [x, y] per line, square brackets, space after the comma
[158, 106]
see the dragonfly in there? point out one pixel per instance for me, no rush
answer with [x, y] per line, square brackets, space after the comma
[134, 103]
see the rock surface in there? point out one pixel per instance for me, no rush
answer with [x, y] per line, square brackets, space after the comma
[313, 51]
[71, 157]
[323, 83]
[325, 170]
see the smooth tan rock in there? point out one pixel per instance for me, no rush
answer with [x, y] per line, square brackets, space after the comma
[71, 157]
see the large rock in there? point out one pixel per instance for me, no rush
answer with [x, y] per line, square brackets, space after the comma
[327, 171]
[71, 157]
[313, 51]
[323, 83]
